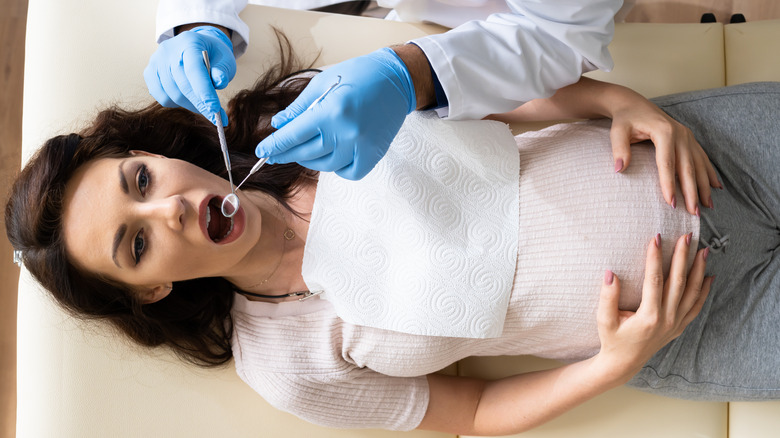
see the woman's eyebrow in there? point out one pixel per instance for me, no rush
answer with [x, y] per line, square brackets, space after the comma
[122, 180]
[120, 234]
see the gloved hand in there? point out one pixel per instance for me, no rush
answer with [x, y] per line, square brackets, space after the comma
[350, 130]
[177, 76]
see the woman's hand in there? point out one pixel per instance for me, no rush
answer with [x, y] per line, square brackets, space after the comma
[514, 404]
[677, 151]
[634, 119]
[629, 339]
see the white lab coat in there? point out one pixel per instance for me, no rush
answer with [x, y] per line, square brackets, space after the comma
[484, 67]
[448, 13]
[295, 4]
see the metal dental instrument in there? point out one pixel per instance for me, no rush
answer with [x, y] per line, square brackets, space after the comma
[230, 203]
[317, 100]
[262, 161]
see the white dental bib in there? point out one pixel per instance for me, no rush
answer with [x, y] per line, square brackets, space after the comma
[426, 243]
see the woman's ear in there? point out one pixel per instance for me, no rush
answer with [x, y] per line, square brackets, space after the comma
[156, 293]
[136, 152]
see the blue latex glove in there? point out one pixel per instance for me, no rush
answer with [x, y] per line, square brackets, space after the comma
[350, 130]
[176, 75]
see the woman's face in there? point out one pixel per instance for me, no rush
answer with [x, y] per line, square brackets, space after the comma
[148, 221]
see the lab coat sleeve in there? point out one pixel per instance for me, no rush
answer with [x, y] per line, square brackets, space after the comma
[172, 13]
[496, 65]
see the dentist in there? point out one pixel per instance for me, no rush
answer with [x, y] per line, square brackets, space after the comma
[476, 69]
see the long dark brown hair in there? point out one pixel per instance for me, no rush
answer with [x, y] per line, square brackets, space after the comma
[194, 319]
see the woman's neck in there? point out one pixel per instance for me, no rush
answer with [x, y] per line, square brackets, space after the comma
[274, 266]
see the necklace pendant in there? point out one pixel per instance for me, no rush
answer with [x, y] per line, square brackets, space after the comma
[289, 234]
[308, 294]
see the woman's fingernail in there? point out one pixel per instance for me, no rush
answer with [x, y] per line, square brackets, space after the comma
[709, 201]
[697, 212]
[705, 253]
[608, 277]
[618, 165]
[658, 240]
[688, 238]
[674, 201]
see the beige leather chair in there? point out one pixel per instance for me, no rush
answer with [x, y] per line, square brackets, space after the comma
[75, 380]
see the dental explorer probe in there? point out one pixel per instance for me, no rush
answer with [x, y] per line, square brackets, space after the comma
[233, 199]
[262, 161]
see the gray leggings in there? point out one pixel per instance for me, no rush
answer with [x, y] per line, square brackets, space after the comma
[731, 351]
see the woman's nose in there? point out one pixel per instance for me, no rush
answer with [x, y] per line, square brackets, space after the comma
[170, 210]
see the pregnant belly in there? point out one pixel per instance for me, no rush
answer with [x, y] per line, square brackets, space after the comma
[577, 219]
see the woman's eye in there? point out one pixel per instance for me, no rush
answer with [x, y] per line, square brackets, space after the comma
[143, 179]
[139, 244]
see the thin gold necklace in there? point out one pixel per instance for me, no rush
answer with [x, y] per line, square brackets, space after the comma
[288, 234]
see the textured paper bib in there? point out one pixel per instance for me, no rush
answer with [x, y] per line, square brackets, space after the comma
[426, 243]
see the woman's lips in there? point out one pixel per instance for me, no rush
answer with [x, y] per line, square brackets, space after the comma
[209, 214]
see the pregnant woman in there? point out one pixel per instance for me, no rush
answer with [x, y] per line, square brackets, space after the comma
[339, 300]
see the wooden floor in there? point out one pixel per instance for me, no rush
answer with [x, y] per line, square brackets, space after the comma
[12, 29]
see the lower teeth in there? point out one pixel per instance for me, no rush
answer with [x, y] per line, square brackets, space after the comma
[229, 230]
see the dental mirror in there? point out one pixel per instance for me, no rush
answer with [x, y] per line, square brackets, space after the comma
[230, 205]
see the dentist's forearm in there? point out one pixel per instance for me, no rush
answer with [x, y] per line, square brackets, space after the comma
[417, 64]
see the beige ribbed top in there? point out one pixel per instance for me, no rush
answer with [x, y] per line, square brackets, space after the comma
[577, 218]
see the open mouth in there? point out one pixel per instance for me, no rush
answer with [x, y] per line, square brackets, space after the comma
[218, 226]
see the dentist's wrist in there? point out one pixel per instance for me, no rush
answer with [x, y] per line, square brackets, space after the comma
[417, 64]
[185, 27]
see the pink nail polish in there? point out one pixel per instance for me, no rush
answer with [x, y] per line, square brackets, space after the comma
[688, 238]
[658, 240]
[697, 212]
[706, 253]
[608, 277]
[618, 165]
[674, 201]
